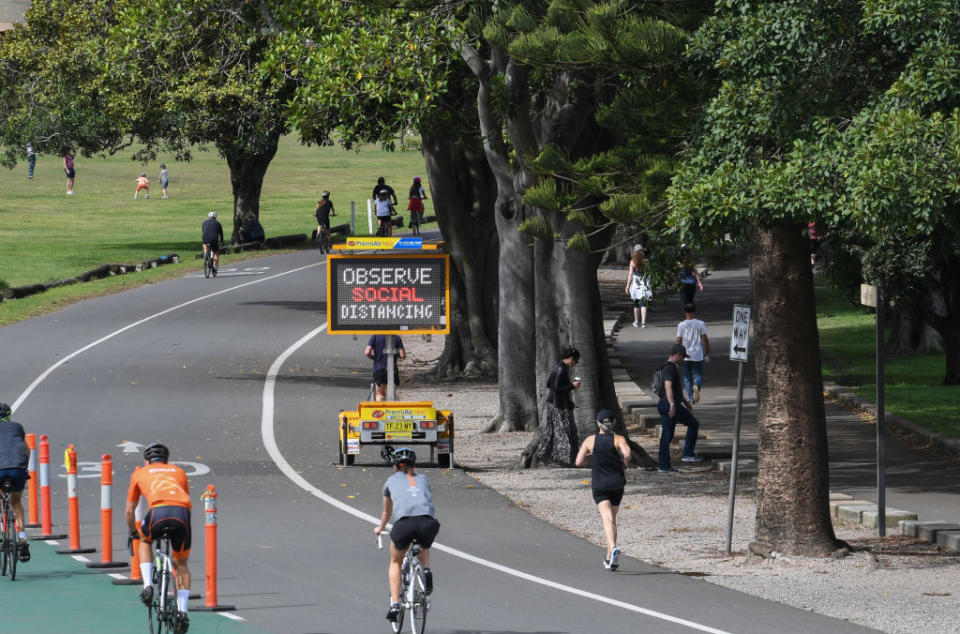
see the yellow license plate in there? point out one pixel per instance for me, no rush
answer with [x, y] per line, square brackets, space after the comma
[399, 426]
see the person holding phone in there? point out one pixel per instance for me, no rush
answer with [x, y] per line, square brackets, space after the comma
[559, 439]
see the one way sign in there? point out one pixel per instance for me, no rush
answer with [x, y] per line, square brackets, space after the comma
[740, 337]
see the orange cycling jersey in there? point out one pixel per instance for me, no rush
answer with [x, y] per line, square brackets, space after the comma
[162, 484]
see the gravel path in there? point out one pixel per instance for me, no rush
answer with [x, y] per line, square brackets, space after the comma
[678, 522]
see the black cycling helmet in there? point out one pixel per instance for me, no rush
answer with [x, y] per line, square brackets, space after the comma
[156, 452]
[404, 455]
[5, 411]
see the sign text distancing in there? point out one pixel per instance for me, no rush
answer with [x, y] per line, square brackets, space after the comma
[388, 293]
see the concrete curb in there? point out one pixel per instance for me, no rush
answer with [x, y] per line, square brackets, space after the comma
[944, 444]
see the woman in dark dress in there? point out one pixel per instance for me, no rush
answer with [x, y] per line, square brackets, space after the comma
[558, 431]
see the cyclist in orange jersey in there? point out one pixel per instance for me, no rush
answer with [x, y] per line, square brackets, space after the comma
[167, 492]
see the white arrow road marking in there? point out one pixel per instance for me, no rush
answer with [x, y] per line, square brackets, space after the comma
[270, 443]
[130, 447]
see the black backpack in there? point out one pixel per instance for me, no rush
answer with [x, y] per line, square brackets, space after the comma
[656, 385]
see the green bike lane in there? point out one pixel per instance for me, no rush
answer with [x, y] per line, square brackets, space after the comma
[56, 593]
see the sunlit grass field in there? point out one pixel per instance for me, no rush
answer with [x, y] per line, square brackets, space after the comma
[46, 235]
[914, 384]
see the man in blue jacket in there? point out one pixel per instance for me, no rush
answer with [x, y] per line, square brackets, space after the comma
[14, 459]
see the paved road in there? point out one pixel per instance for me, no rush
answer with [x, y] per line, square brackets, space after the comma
[236, 375]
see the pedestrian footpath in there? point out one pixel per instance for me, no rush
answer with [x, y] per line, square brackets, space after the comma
[921, 484]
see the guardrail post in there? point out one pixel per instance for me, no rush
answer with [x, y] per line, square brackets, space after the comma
[106, 516]
[43, 451]
[73, 505]
[210, 604]
[33, 520]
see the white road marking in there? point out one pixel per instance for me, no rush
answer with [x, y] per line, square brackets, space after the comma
[270, 443]
[52, 542]
[116, 575]
[231, 615]
[80, 558]
[40, 379]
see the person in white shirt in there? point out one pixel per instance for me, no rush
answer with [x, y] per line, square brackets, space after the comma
[692, 334]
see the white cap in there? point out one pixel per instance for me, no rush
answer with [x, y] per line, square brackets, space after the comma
[212, 214]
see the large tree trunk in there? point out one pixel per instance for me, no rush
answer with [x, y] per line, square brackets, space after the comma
[944, 315]
[246, 179]
[908, 333]
[464, 192]
[793, 513]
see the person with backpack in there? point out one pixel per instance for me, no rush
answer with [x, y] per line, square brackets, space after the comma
[667, 385]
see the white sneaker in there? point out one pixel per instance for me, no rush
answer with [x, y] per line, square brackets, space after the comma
[692, 459]
[147, 196]
[634, 324]
[696, 393]
[606, 564]
[70, 193]
[615, 558]
[134, 197]
[643, 325]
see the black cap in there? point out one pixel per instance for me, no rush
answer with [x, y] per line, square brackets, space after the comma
[678, 348]
[606, 418]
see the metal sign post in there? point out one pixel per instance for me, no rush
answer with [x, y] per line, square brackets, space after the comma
[389, 351]
[739, 347]
[870, 296]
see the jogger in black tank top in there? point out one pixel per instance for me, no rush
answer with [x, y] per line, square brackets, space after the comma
[611, 455]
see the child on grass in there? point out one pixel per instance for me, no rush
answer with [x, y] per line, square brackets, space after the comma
[142, 183]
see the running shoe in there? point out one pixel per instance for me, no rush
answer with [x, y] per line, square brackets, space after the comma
[23, 550]
[692, 459]
[615, 558]
[634, 324]
[146, 595]
[696, 393]
[606, 563]
[393, 614]
[183, 623]
[667, 470]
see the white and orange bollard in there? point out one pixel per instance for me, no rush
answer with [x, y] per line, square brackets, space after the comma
[106, 516]
[33, 500]
[46, 525]
[73, 505]
[210, 604]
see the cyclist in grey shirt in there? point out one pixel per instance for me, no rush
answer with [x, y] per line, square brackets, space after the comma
[407, 498]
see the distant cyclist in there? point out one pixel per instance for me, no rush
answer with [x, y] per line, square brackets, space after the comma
[14, 458]
[408, 498]
[212, 235]
[324, 211]
[167, 492]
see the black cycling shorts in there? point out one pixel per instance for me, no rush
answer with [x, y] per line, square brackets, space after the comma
[613, 496]
[423, 528]
[380, 377]
[213, 246]
[176, 517]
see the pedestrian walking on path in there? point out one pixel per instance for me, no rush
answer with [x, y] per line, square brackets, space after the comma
[609, 455]
[692, 333]
[638, 286]
[689, 277]
[558, 431]
[671, 409]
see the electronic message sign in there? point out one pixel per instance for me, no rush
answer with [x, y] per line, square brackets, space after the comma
[388, 293]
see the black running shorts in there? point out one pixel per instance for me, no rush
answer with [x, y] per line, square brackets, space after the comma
[613, 496]
[176, 517]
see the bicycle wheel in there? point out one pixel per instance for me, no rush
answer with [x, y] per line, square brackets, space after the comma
[5, 543]
[207, 264]
[418, 601]
[14, 544]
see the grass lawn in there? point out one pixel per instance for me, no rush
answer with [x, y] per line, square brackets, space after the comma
[914, 384]
[46, 235]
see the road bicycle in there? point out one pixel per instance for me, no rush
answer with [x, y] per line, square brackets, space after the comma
[413, 593]
[9, 544]
[208, 266]
[162, 613]
[325, 240]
